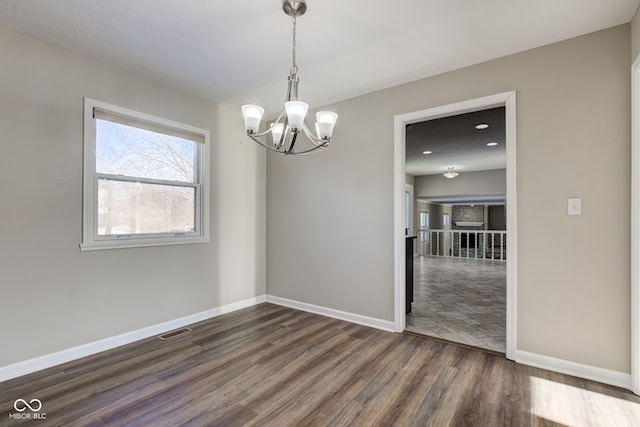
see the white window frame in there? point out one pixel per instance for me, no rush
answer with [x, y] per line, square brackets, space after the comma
[90, 238]
[424, 233]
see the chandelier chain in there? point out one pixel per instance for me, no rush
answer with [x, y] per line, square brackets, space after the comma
[294, 67]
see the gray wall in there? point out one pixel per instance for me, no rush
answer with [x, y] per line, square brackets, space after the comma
[436, 211]
[330, 216]
[55, 297]
[467, 183]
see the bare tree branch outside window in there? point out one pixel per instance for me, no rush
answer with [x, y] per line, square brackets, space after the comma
[130, 207]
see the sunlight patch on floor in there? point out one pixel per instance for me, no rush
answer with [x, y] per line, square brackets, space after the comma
[572, 406]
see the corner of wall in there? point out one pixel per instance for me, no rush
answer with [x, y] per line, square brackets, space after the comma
[635, 35]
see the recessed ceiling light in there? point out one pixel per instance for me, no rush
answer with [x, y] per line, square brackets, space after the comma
[492, 144]
[482, 126]
[427, 152]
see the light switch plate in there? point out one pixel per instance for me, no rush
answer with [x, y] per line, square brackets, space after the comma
[574, 206]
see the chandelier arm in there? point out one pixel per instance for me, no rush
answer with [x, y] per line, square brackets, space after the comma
[282, 113]
[263, 133]
[268, 147]
[315, 140]
[305, 152]
[259, 133]
[296, 153]
[284, 130]
[294, 137]
[323, 146]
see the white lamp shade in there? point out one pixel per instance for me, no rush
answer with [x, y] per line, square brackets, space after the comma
[276, 132]
[252, 115]
[296, 111]
[326, 122]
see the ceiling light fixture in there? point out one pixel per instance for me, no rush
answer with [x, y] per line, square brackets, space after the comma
[450, 173]
[290, 123]
[427, 152]
[492, 144]
[482, 126]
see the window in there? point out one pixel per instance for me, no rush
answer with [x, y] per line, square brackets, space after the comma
[424, 226]
[424, 219]
[145, 180]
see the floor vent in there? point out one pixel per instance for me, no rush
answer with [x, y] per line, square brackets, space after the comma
[174, 334]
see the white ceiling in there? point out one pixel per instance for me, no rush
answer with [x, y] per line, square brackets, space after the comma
[239, 51]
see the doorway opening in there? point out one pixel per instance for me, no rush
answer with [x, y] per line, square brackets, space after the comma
[459, 263]
[476, 241]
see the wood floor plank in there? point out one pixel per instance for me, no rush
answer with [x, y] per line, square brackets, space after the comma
[322, 386]
[273, 366]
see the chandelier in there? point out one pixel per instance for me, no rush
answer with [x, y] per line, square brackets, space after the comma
[450, 173]
[291, 121]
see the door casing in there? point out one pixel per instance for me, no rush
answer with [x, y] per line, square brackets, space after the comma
[508, 100]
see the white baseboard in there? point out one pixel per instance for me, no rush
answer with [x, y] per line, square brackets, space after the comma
[49, 360]
[606, 376]
[385, 325]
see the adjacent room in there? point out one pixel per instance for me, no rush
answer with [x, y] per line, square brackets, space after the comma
[204, 221]
[458, 220]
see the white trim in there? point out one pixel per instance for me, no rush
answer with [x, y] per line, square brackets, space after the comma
[8, 372]
[53, 359]
[399, 265]
[605, 376]
[508, 99]
[143, 242]
[372, 322]
[512, 229]
[635, 226]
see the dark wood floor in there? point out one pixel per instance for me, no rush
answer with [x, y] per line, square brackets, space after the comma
[273, 366]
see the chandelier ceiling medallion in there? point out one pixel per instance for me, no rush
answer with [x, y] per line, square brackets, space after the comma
[291, 121]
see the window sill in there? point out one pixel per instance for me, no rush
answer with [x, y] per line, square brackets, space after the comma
[140, 243]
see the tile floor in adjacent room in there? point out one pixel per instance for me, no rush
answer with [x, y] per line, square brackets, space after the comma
[461, 300]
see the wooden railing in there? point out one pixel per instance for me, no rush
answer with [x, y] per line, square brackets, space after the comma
[476, 244]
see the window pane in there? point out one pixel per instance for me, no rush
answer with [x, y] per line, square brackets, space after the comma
[135, 208]
[130, 151]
